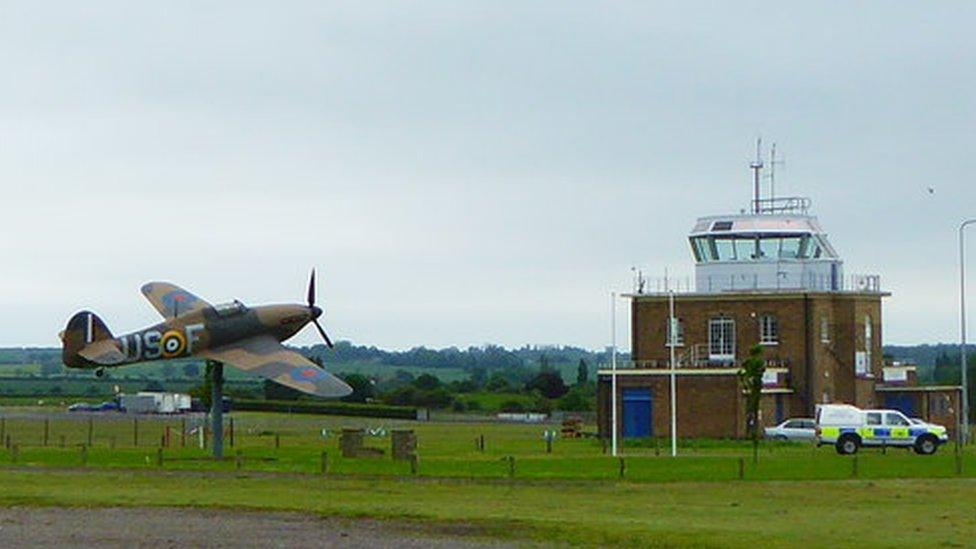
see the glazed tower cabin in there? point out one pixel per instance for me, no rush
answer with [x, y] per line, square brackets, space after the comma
[769, 277]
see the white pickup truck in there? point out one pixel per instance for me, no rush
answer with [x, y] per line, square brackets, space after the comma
[848, 428]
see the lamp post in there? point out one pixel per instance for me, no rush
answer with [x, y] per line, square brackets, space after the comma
[962, 328]
[672, 341]
[613, 373]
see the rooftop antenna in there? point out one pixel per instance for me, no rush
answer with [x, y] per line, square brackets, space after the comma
[772, 171]
[756, 166]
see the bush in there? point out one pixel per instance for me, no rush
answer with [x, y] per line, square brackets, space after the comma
[512, 407]
[576, 400]
[459, 406]
[330, 408]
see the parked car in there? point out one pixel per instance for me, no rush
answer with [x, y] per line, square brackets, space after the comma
[848, 428]
[800, 428]
[80, 407]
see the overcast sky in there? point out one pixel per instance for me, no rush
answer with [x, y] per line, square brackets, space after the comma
[465, 173]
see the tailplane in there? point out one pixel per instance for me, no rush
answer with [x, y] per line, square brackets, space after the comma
[83, 329]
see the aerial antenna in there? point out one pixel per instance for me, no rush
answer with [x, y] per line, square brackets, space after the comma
[772, 171]
[756, 166]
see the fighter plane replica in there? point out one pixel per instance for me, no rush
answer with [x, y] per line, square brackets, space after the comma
[248, 338]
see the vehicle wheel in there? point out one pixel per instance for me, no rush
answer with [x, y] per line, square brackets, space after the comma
[926, 445]
[99, 372]
[781, 438]
[848, 444]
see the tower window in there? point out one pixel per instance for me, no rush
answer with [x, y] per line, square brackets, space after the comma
[679, 333]
[768, 330]
[721, 339]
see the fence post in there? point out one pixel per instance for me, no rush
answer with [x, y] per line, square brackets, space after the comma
[183, 432]
[958, 462]
[7, 441]
[231, 432]
[511, 466]
[623, 467]
[414, 466]
[481, 441]
[277, 441]
[135, 431]
[239, 459]
[84, 454]
[603, 441]
[91, 428]
[47, 430]
[548, 445]
[159, 456]
[3, 428]
[657, 446]
[14, 453]
[324, 463]
[742, 469]
[854, 467]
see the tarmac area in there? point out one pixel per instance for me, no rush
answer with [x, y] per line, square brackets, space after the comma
[184, 527]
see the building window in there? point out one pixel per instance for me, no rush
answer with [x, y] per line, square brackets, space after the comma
[824, 329]
[721, 339]
[868, 340]
[679, 334]
[768, 330]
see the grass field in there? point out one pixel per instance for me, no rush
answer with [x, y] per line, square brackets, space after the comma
[574, 494]
[775, 514]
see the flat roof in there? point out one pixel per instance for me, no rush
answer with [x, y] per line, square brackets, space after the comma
[783, 293]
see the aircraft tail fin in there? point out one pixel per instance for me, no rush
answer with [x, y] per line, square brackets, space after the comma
[83, 329]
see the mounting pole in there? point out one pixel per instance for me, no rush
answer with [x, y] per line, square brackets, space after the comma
[756, 166]
[613, 374]
[217, 407]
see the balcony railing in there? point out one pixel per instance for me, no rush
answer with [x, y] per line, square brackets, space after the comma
[685, 362]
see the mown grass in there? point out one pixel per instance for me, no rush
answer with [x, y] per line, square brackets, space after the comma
[295, 443]
[737, 514]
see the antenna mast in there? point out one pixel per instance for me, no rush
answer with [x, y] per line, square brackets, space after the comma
[772, 171]
[756, 166]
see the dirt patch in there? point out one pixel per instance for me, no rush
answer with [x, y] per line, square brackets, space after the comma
[182, 527]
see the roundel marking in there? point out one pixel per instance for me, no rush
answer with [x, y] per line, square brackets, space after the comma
[307, 374]
[173, 343]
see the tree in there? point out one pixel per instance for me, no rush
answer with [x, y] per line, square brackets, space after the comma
[582, 373]
[362, 388]
[750, 377]
[427, 382]
[549, 383]
[576, 400]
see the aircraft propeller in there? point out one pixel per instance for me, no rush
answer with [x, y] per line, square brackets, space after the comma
[316, 312]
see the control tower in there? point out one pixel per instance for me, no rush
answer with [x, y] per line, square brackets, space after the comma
[777, 246]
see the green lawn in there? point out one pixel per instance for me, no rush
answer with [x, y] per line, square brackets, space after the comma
[445, 449]
[735, 514]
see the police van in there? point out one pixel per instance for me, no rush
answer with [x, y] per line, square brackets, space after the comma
[848, 428]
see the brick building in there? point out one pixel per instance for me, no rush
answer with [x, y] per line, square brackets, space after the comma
[769, 277]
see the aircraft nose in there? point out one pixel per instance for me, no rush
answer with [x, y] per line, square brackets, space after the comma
[316, 311]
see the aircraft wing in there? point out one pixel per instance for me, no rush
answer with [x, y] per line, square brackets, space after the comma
[264, 356]
[171, 300]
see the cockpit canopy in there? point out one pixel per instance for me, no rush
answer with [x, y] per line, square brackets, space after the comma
[230, 309]
[760, 247]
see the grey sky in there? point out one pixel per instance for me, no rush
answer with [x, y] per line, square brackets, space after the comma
[464, 173]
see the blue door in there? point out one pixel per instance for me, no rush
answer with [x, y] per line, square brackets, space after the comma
[637, 412]
[904, 403]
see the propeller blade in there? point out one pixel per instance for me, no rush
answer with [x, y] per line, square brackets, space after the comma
[325, 337]
[311, 289]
